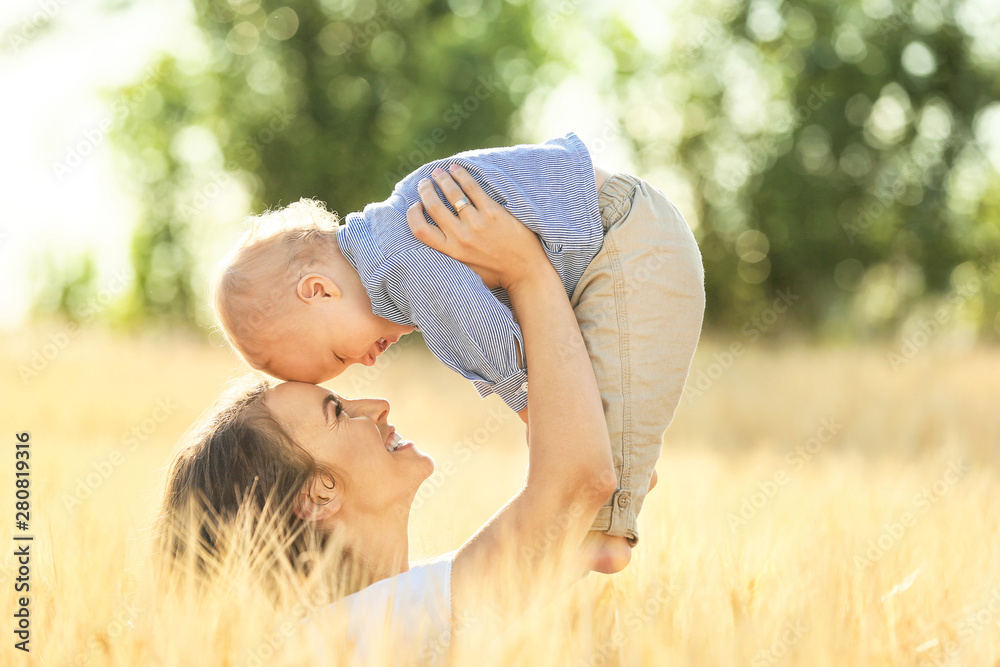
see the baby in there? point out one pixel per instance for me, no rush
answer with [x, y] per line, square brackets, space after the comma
[302, 296]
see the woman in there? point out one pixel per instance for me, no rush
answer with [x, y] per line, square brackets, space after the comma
[327, 467]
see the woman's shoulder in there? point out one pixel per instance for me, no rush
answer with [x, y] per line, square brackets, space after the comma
[427, 584]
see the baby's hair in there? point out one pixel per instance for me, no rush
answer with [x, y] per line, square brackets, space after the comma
[253, 283]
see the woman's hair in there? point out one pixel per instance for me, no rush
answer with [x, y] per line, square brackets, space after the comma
[231, 491]
[255, 281]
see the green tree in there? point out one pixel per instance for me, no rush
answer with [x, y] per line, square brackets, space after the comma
[332, 99]
[830, 146]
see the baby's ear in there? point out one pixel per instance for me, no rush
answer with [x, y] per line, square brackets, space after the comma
[315, 286]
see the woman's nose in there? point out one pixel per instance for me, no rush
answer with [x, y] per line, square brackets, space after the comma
[376, 409]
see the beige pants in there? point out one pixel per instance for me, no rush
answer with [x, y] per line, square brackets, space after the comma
[640, 306]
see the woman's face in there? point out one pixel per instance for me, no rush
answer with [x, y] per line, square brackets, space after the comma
[353, 438]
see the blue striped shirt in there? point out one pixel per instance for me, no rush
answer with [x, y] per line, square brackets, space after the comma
[549, 187]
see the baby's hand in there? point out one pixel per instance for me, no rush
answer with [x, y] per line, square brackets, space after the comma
[484, 235]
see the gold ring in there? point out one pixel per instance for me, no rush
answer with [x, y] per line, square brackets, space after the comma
[462, 203]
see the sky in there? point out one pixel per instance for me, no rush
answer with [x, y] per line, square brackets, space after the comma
[57, 112]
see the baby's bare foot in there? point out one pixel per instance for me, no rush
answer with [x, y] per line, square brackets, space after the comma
[605, 553]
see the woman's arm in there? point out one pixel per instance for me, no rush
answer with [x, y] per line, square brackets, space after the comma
[570, 473]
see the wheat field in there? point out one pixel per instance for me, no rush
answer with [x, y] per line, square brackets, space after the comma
[816, 505]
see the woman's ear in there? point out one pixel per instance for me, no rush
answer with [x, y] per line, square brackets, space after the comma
[318, 501]
[314, 287]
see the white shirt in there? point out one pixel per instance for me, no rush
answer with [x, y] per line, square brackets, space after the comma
[407, 616]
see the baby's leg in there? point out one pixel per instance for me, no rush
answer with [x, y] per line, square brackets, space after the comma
[640, 306]
[608, 553]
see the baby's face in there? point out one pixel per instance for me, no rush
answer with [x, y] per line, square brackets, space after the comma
[321, 342]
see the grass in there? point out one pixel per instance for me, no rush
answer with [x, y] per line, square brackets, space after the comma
[815, 506]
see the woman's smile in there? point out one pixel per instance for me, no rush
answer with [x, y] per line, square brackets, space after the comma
[394, 443]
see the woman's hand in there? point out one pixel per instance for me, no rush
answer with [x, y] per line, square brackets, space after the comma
[484, 235]
[535, 537]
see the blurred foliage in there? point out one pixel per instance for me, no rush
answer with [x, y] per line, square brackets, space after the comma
[70, 285]
[830, 149]
[331, 99]
[833, 150]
